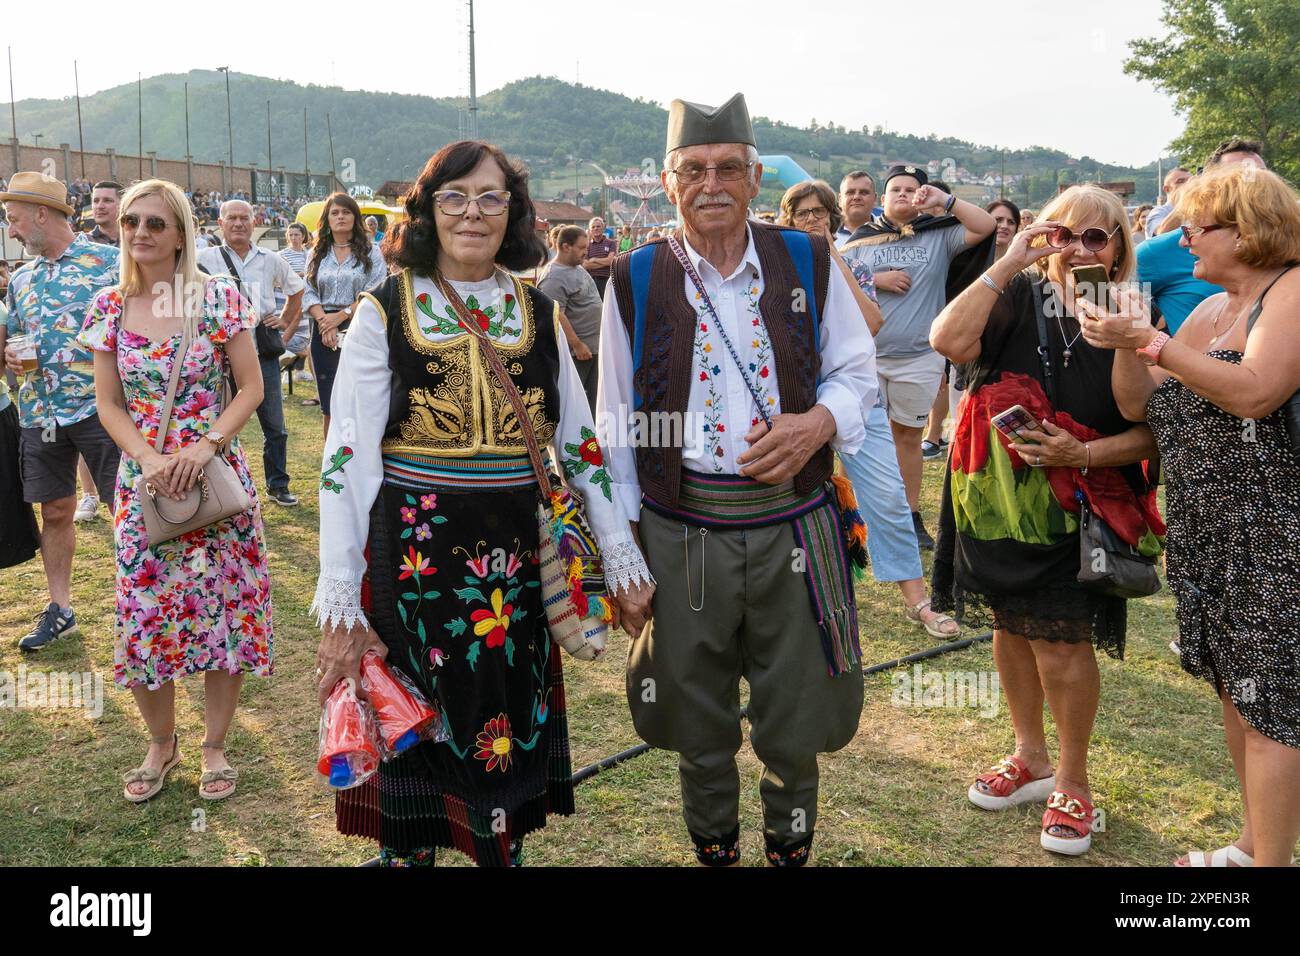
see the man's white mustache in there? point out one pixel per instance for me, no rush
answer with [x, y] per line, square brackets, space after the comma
[721, 199]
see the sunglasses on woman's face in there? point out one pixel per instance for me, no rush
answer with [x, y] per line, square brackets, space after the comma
[491, 203]
[1094, 239]
[154, 224]
[1191, 232]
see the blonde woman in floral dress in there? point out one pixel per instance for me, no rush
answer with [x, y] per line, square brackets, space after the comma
[202, 601]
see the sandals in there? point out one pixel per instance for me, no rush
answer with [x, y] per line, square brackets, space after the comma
[1011, 786]
[215, 776]
[154, 778]
[1067, 811]
[1230, 855]
[932, 627]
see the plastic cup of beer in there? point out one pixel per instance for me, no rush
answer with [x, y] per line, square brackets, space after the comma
[25, 347]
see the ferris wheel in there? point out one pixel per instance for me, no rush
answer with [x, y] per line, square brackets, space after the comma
[640, 186]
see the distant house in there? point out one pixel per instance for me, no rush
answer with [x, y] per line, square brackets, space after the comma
[1123, 189]
[562, 213]
[392, 190]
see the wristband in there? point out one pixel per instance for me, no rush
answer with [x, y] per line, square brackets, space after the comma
[1087, 451]
[947, 207]
[988, 281]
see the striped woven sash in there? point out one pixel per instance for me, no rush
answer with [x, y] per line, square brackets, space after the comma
[733, 502]
[480, 473]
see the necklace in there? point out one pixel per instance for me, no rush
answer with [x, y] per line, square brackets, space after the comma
[1214, 323]
[1065, 356]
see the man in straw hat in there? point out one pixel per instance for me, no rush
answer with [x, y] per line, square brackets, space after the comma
[48, 299]
[746, 356]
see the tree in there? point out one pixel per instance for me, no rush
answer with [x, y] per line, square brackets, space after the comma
[1233, 68]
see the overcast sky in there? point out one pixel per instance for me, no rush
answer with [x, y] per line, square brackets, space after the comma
[1010, 73]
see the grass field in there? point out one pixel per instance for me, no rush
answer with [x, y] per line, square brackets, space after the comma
[894, 796]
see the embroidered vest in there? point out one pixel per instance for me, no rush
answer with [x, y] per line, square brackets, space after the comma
[446, 402]
[663, 340]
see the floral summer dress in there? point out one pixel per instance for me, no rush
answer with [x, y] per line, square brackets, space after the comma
[201, 602]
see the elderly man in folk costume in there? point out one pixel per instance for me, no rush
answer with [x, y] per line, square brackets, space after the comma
[746, 332]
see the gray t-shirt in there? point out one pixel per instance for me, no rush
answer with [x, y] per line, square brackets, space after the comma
[925, 257]
[575, 290]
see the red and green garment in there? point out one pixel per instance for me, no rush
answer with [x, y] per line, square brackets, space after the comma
[996, 495]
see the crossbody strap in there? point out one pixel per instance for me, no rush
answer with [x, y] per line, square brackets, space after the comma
[685, 261]
[178, 359]
[493, 358]
[1044, 351]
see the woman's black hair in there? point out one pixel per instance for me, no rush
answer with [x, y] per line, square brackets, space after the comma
[413, 243]
[1015, 210]
[360, 238]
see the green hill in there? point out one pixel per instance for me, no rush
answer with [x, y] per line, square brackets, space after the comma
[544, 120]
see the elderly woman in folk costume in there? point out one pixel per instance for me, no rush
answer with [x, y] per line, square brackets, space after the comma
[429, 492]
[746, 329]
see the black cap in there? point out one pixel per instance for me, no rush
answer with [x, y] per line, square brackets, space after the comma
[916, 172]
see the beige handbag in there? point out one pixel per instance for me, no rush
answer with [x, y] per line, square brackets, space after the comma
[574, 596]
[217, 494]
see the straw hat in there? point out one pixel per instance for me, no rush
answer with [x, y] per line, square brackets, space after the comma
[38, 188]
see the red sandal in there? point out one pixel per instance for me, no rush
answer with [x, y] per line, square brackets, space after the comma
[1011, 785]
[1067, 811]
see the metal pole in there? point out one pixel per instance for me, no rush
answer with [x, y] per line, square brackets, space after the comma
[230, 126]
[1002, 183]
[473, 99]
[306, 165]
[189, 165]
[139, 102]
[270, 170]
[329, 130]
[13, 115]
[81, 139]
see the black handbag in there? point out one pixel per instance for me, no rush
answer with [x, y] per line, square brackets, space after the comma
[1291, 409]
[1107, 563]
[270, 344]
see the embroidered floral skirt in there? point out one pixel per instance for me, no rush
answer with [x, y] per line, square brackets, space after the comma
[453, 590]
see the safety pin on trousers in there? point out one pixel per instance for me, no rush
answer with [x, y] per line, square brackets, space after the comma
[686, 547]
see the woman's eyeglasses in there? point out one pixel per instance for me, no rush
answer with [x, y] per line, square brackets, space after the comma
[688, 174]
[1094, 239]
[154, 224]
[816, 212]
[491, 203]
[1192, 232]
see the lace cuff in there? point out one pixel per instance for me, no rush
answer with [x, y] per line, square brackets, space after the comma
[338, 601]
[624, 564]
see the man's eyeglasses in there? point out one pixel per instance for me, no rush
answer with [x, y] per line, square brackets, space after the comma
[688, 174]
[491, 203]
[816, 212]
[154, 224]
[1192, 232]
[1094, 239]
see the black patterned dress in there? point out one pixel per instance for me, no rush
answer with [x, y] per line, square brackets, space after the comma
[1233, 508]
[429, 528]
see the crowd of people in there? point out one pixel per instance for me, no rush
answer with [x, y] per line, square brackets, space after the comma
[812, 363]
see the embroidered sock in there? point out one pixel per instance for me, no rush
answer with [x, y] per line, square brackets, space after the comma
[714, 851]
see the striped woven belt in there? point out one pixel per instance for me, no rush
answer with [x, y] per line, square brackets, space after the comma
[481, 473]
[733, 502]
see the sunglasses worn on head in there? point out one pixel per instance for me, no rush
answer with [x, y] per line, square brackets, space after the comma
[491, 203]
[154, 224]
[1094, 239]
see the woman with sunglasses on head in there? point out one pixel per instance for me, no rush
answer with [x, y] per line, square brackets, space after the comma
[200, 602]
[344, 263]
[1009, 550]
[429, 491]
[891, 537]
[1217, 395]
